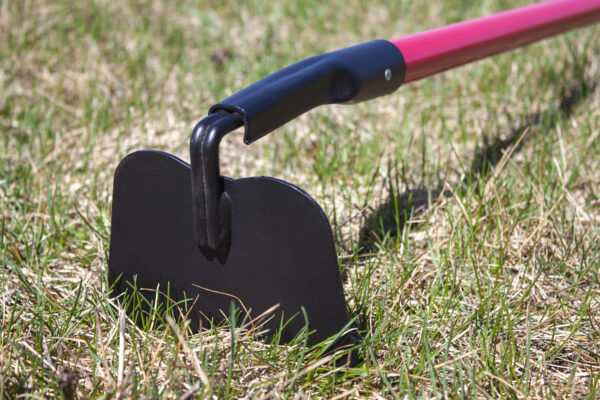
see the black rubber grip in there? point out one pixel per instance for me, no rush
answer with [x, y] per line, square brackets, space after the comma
[350, 75]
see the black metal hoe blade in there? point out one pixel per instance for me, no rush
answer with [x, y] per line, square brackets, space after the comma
[184, 234]
[281, 249]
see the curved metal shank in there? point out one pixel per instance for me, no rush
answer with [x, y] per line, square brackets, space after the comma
[211, 205]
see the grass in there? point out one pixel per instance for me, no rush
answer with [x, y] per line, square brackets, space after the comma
[466, 207]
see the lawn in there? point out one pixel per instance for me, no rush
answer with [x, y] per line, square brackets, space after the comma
[465, 207]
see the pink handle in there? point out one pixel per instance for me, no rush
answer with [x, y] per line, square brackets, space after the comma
[427, 53]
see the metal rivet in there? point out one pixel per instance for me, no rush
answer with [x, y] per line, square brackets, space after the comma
[388, 74]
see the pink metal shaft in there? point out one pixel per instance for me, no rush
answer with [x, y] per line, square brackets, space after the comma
[427, 53]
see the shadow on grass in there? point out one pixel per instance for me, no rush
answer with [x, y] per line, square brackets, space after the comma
[391, 217]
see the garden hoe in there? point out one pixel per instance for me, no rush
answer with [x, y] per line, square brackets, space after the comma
[183, 234]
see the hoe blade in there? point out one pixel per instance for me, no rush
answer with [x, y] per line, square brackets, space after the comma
[281, 252]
